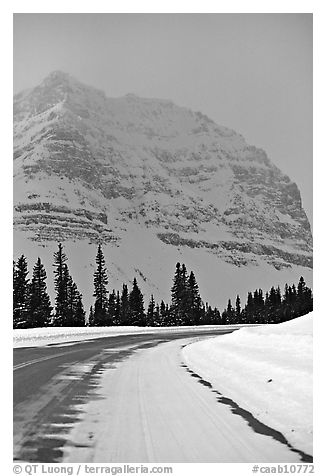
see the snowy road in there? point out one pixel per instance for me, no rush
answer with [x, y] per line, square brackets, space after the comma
[128, 399]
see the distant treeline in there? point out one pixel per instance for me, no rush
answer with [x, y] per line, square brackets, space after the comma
[32, 306]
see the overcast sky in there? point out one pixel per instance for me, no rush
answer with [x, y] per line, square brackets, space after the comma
[250, 72]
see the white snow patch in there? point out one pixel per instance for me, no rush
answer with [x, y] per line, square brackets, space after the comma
[267, 370]
[62, 335]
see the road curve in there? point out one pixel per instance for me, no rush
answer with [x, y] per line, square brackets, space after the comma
[127, 399]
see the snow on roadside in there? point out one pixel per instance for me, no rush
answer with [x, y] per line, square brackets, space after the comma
[266, 370]
[58, 335]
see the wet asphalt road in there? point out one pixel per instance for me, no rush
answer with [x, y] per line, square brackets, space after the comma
[48, 391]
[63, 413]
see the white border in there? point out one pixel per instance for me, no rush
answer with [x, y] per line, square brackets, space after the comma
[168, 6]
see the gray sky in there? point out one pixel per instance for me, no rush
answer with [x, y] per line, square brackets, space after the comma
[250, 72]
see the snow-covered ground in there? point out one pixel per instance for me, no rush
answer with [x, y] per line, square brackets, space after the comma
[60, 335]
[266, 370]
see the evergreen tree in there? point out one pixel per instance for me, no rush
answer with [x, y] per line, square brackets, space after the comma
[257, 315]
[111, 308]
[176, 292]
[194, 302]
[136, 306]
[69, 310]
[294, 295]
[294, 301]
[238, 310]
[150, 312]
[20, 293]
[249, 309]
[80, 314]
[301, 289]
[208, 315]
[278, 304]
[124, 308]
[91, 317]
[224, 317]
[76, 313]
[117, 314]
[270, 298]
[162, 316]
[100, 290]
[304, 298]
[180, 296]
[39, 305]
[230, 312]
[71, 298]
[285, 303]
[216, 316]
[289, 304]
[185, 296]
[61, 287]
[157, 316]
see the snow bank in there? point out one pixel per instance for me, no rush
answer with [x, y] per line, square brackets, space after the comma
[267, 370]
[58, 335]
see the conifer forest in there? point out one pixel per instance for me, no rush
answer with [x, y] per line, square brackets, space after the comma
[32, 306]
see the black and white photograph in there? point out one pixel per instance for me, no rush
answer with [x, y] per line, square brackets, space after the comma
[162, 239]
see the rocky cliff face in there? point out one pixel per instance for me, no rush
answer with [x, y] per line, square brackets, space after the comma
[93, 169]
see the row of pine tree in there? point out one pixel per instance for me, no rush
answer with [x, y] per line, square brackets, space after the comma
[273, 307]
[32, 305]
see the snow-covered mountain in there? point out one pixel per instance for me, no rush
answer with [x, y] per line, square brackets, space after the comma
[155, 183]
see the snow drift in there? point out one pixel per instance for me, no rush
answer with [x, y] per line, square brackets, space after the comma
[59, 335]
[267, 370]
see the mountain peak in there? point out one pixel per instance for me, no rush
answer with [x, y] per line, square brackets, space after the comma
[58, 74]
[59, 79]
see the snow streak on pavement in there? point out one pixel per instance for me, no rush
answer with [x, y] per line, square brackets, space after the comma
[150, 409]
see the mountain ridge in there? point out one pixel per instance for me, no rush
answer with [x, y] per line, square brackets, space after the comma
[92, 168]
